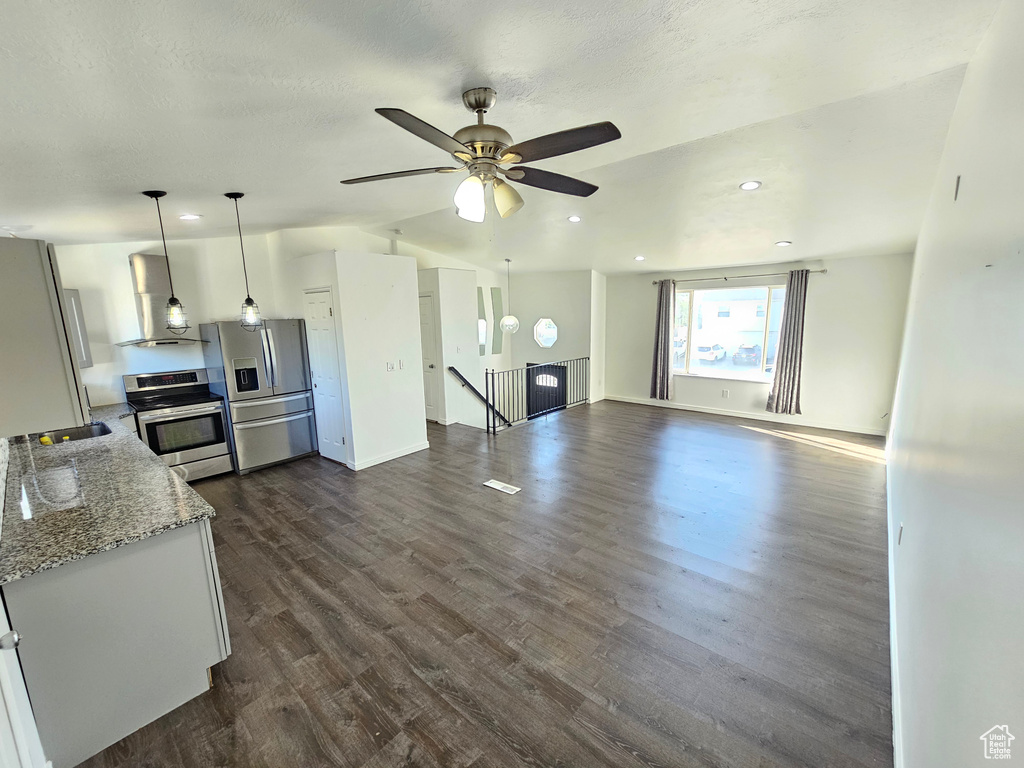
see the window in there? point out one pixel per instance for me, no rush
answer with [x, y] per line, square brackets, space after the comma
[545, 332]
[735, 332]
[546, 380]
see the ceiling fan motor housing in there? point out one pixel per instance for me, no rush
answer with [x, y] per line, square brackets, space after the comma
[485, 140]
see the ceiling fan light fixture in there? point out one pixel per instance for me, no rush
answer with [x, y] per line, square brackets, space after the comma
[470, 202]
[506, 199]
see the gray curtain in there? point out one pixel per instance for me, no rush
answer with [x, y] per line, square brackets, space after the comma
[784, 396]
[661, 375]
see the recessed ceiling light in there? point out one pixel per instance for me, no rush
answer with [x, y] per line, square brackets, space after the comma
[638, 258]
[190, 217]
[784, 243]
[575, 219]
[750, 186]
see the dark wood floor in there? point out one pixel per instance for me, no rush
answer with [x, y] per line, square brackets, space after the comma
[668, 589]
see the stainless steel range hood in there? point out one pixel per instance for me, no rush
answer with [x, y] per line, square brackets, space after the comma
[152, 289]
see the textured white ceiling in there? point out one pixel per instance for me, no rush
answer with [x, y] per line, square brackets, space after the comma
[103, 99]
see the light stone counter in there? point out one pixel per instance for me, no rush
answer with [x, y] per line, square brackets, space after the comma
[66, 502]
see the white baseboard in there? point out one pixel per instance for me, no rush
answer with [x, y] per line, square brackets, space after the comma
[744, 415]
[355, 466]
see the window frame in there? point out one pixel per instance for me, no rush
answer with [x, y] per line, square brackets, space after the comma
[685, 371]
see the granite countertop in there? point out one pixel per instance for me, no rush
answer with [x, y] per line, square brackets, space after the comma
[66, 502]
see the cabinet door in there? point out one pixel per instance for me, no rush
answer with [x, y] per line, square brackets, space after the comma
[19, 740]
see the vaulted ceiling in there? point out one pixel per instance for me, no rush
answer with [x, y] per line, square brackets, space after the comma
[839, 106]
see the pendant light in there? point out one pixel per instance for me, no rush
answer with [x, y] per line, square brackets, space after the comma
[251, 320]
[509, 322]
[177, 320]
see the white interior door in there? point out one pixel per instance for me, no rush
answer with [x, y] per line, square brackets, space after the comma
[322, 340]
[431, 358]
[19, 739]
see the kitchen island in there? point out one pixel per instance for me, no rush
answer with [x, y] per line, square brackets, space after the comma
[108, 573]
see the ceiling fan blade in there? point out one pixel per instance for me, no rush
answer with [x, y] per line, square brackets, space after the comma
[425, 131]
[561, 143]
[555, 182]
[400, 174]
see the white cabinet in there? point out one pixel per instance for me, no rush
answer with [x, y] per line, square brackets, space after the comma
[39, 378]
[19, 739]
[118, 639]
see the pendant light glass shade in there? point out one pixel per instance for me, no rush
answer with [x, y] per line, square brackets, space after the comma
[470, 202]
[174, 313]
[506, 199]
[509, 322]
[251, 320]
[177, 319]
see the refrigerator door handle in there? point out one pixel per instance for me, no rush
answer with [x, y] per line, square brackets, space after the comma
[268, 361]
[271, 401]
[273, 354]
[267, 423]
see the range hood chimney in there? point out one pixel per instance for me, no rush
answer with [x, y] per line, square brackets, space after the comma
[152, 287]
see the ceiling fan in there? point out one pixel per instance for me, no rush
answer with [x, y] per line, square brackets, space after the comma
[483, 149]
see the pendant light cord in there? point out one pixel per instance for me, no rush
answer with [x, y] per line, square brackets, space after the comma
[508, 282]
[163, 239]
[241, 246]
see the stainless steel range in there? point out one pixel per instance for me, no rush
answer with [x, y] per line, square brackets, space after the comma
[181, 421]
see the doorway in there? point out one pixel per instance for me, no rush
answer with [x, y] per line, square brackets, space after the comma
[432, 395]
[328, 404]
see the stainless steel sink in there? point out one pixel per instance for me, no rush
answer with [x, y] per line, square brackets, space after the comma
[58, 436]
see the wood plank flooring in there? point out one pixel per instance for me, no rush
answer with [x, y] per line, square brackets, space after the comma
[668, 589]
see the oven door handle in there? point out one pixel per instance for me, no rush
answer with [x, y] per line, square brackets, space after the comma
[180, 414]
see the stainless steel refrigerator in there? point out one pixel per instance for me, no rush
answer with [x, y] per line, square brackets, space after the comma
[264, 376]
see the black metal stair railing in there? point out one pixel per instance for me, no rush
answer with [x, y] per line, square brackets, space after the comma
[520, 394]
[492, 411]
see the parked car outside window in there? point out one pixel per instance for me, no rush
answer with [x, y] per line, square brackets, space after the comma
[711, 354]
[747, 354]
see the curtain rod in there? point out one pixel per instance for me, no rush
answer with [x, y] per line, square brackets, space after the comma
[742, 277]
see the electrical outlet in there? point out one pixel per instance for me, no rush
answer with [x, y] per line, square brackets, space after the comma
[725, 393]
[391, 366]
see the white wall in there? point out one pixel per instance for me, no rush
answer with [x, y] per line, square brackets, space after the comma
[380, 323]
[565, 297]
[956, 451]
[853, 330]
[207, 278]
[598, 334]
[455, 316]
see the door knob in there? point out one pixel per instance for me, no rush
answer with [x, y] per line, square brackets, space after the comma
[10, 641]
[431, 365]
